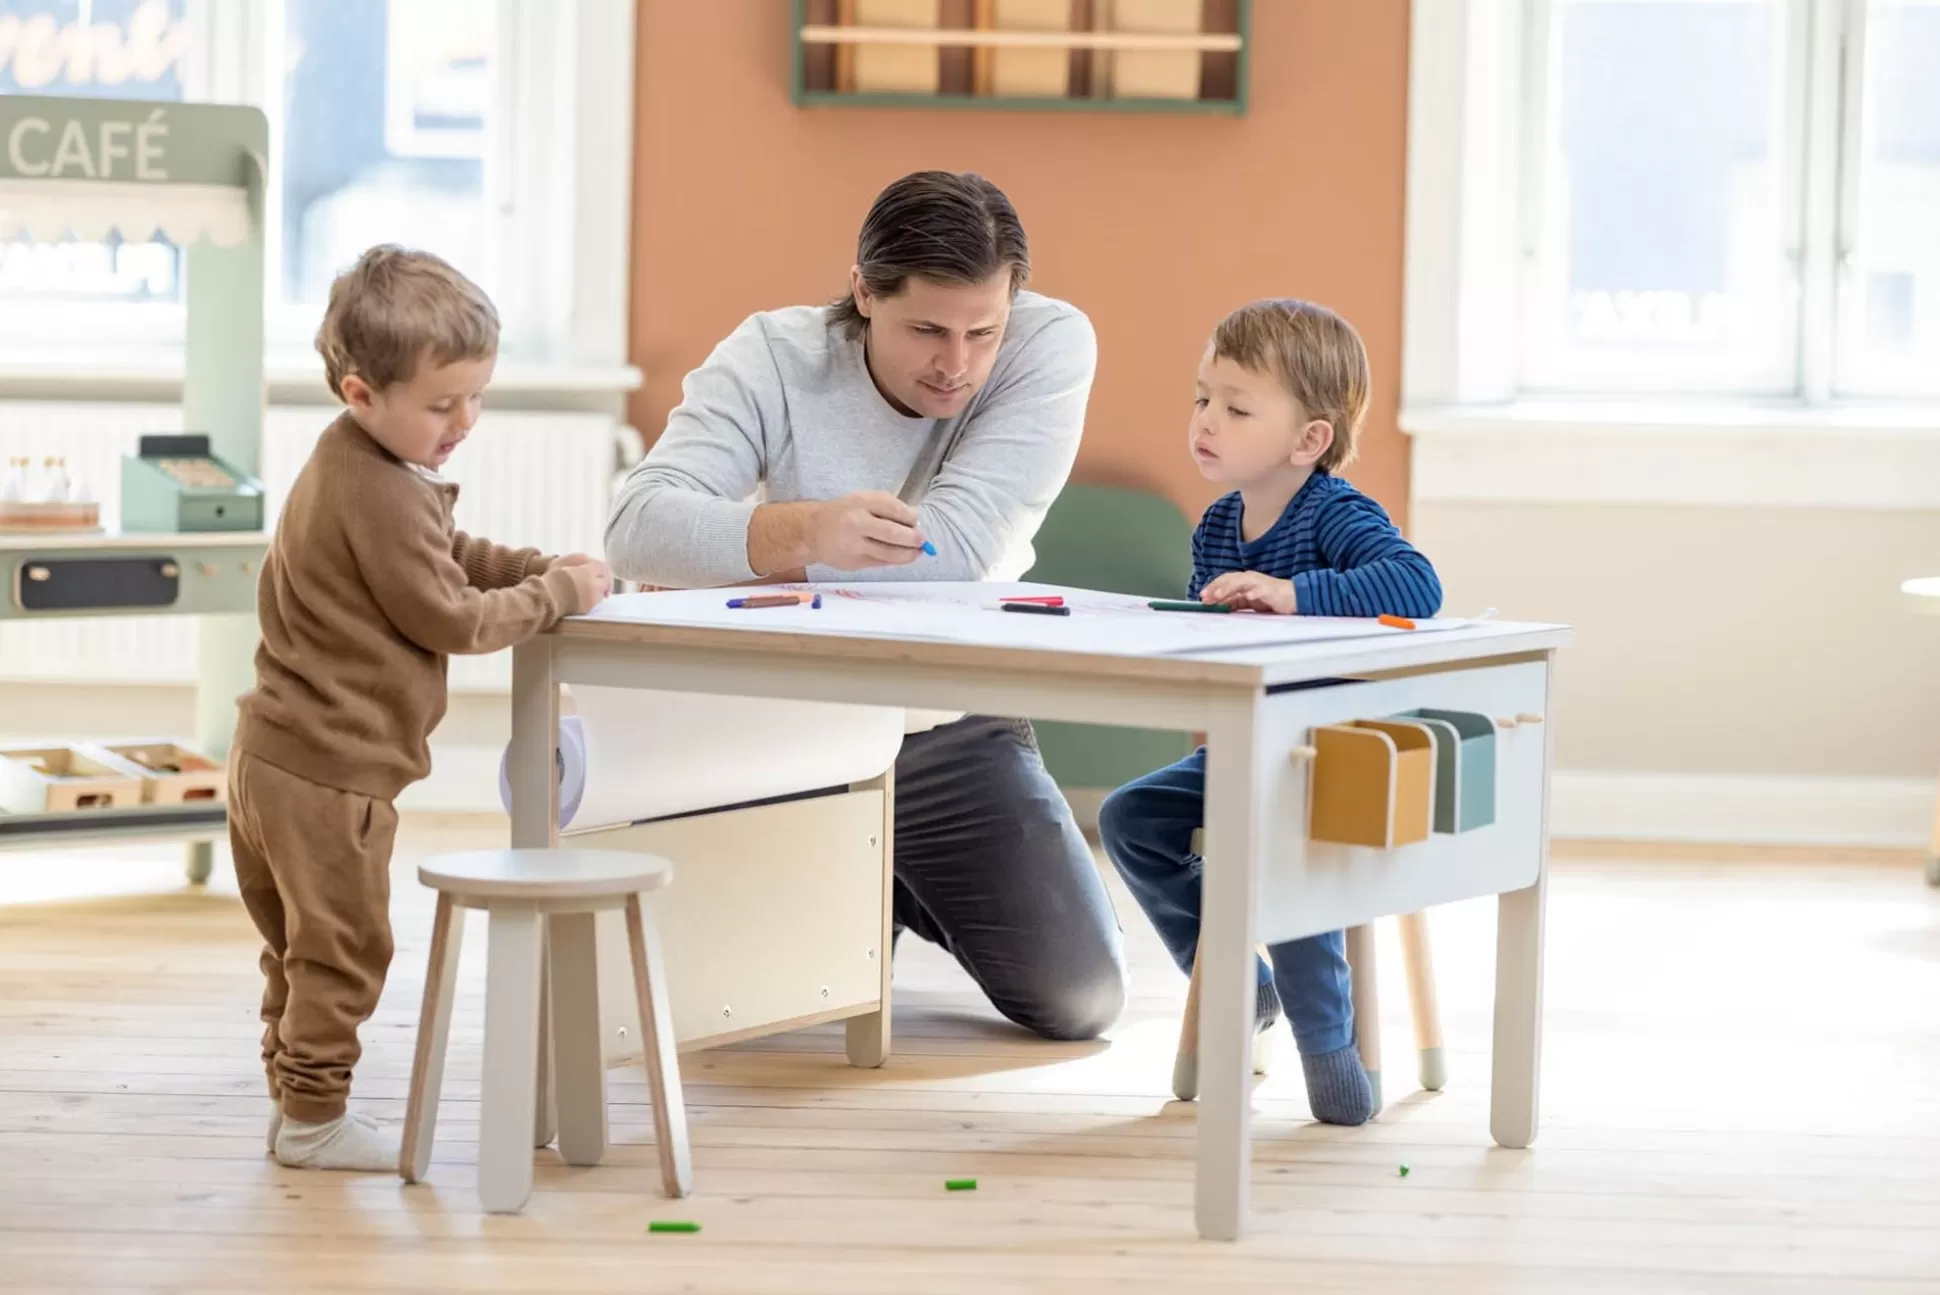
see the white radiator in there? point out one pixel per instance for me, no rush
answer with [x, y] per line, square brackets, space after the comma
[525, 478]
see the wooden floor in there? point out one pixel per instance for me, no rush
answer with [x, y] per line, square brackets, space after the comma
[1741, 1093]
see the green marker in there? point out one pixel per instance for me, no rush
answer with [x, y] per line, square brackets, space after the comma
[663, 1225]
[1167, 605]
[960, 1184]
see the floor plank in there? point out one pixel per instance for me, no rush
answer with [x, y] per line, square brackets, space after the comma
[1738, 1097]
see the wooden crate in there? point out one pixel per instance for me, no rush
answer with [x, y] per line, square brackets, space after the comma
[172, 773]
[1027, 73]
[891, 69]
[57, 779]
[17, 516]
[1153, 74]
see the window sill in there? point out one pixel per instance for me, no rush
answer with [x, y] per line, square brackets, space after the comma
[1752, 455]
[155, 376]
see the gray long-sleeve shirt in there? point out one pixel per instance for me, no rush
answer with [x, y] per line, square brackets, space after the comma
[784, 410]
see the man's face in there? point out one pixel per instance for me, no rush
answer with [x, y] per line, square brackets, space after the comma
[932, 345]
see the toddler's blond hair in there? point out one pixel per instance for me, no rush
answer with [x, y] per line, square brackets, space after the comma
[395, 308]
[1316, 353]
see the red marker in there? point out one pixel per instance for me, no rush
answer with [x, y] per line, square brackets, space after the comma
[1042, 600]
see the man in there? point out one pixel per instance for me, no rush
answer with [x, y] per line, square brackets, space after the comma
[936, 403]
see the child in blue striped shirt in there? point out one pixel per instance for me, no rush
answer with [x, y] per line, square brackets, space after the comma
[1281, 396]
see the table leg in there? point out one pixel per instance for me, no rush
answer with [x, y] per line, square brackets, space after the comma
[532, 764]
[1235, 786]
[532, 761]
[1518, 1015]
[1513, 1106]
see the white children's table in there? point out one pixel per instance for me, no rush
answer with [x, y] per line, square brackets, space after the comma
[1259, 704]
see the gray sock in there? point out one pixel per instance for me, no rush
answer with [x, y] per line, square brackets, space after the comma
[1337, 1087]
[1266, 1008]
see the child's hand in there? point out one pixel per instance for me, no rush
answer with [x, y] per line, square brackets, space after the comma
[574, 560]
[1249, 591]
[591, 581]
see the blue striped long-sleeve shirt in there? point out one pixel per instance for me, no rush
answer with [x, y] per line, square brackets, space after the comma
[1343, 554]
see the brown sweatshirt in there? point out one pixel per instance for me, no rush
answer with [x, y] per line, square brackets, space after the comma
[367, 589]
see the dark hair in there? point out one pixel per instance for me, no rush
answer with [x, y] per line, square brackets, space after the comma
[937, 225]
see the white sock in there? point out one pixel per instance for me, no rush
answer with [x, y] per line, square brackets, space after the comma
[276, 1122]
[350, 1142]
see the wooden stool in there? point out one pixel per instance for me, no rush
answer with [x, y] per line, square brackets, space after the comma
[1367, 1013]
[542, 905]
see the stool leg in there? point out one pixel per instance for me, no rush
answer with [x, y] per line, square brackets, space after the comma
[1421, 1000]
[1367, 1004]
[434, 1032]
[511, 1059]
[578, 1063]
[545, 1106]
[663, 1061]
[1185, 1065]
[1933, 847]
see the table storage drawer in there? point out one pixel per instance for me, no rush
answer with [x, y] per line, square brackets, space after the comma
[1356, 771]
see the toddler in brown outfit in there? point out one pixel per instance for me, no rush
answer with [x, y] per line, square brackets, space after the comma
[366, 591]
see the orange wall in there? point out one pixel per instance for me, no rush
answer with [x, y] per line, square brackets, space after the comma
[1153, 225]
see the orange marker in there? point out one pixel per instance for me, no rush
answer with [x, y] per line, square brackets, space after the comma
[1399, 622]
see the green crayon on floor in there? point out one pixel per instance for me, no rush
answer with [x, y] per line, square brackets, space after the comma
[668, 1225]
[960, 1184]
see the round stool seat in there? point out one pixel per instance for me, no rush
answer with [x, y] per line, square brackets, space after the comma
[546, 874]
[1922, 595]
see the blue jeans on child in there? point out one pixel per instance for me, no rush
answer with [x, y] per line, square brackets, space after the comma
[1146, 828]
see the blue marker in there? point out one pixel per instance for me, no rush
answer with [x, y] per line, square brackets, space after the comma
[929, 549]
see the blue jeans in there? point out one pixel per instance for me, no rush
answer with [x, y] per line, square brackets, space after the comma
[991, 866]
[1147, 828]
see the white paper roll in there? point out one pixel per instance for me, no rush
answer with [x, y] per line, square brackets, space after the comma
[572, 770]
[633, 754]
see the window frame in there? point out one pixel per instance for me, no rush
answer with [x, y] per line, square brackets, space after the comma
[1566, 369]
[1476, 123]
[1463, 400]
[549, 186]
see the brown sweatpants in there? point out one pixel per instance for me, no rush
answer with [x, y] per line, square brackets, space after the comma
[313, 864]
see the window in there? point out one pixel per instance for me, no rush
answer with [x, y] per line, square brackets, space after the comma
[1729, 196]
[1889, 253]
[385, 110]
[108, 49]
[388, 123]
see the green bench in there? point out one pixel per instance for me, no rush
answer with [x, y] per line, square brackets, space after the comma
[1118, 541]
